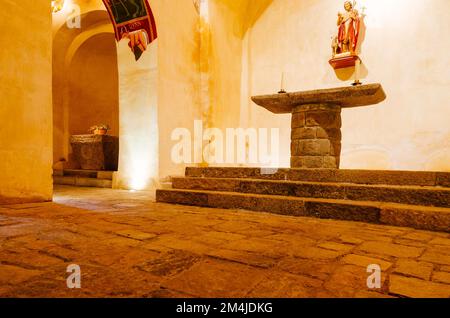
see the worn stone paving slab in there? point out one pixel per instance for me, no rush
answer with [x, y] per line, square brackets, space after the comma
[148, 249]
[286, 285]
[13, 275]
[217, 278]
[422, 270]
[360, 260]
[413, 287]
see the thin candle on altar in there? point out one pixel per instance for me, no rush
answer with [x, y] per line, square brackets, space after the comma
[357, 69]
[282, 90]
[357, 72]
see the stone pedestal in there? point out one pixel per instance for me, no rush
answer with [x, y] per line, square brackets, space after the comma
[316, 120]
[316, 136]
[96, 152]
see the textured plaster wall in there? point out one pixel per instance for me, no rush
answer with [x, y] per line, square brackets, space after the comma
[26, 101]
[93, 86]
[225, 41]
[229, 21]
[406, 48]
[225, 64]
[178, 75]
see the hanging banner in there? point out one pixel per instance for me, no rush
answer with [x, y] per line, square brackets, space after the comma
[134, 20]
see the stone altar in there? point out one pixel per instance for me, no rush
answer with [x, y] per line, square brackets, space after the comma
[316, 120]
[96, 152]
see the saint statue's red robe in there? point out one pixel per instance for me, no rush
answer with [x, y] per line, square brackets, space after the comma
[353, 34]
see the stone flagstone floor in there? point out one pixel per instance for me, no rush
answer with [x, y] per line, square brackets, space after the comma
[129, 246]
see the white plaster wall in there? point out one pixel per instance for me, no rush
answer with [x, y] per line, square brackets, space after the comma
[406, 48]
[138, 120]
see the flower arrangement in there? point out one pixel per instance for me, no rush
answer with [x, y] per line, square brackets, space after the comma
[101, 129]
[57, 5]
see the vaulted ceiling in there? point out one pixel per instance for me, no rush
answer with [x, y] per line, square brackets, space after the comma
[247, 11]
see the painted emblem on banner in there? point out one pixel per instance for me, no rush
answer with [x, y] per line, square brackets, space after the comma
[133, 20]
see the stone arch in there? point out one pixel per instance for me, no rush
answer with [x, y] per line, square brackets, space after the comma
[67, 43]
[80, 39]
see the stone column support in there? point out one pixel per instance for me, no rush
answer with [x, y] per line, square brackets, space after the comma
[316, 136]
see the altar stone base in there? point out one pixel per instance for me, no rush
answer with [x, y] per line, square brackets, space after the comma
[316, 136]
[96, 152]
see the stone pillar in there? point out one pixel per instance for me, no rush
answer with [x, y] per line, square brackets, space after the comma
[316, 136]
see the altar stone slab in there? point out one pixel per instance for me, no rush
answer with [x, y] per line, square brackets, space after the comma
[316, 120]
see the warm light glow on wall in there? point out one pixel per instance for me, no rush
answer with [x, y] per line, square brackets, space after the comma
[64, 10]
[204, 10]
[138, 120]
[377, 10]
[139, 173]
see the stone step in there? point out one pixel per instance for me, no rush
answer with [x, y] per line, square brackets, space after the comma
[415, 178]
[104, 175]
[165, 185]
[419, 217]
[82, 181]
[80, 173]
[425, 196]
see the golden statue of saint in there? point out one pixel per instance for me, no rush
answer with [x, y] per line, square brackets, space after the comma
[348, 23]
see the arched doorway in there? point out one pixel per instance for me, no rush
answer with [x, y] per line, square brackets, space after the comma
[93, 87]
[85, 93]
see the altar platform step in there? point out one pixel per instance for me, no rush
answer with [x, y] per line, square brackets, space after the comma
[418, 178]
[83, 178]
[416, 195]
[413, 199]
